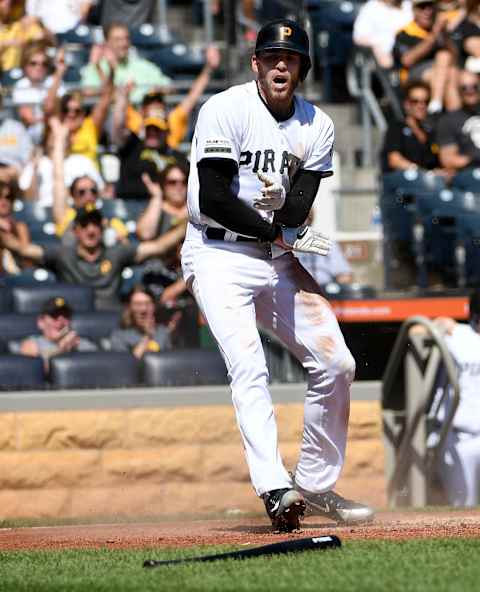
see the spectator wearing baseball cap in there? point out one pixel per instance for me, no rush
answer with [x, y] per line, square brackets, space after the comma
[154, 101]
[90, 262]
[147, 153]
[83, 191]
[56, 334]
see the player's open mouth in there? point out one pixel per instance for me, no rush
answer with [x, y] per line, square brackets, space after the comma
[280, 82]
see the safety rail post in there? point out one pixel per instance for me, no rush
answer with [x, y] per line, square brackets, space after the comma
[409, 464]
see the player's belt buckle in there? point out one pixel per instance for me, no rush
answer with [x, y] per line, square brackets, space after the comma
[226, 235]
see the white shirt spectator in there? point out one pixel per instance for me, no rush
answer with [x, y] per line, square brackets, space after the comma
[15, 144]
[57, 15]
[75, 166]
[326, 269]
[378, 22]
[26, 92]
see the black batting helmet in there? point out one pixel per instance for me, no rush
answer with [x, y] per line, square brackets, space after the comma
[285, 34]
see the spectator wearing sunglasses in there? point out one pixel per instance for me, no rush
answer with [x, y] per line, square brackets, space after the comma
[36, 179]
[410, 149]
[84, 129]
[410, 145]
[56, 334]
[166, 209]
[82, 193]
[424, 51]
[89, 261]
[30, 94]
[458, 134]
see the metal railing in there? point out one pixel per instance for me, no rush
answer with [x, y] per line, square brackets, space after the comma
[412, 462]
[360, 72]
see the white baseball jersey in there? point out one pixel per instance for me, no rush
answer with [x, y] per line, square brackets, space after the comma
[459, 463]
[239, 283]
[464, 345]
[236, 124]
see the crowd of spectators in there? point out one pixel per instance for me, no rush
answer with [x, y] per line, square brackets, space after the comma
[64, 210]
[432, 48]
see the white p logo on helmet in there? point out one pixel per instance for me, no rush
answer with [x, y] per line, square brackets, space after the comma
[285, 32]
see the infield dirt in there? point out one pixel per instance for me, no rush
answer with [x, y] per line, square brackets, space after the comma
[238, 531]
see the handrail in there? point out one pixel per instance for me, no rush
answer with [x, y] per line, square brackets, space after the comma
[389, 377]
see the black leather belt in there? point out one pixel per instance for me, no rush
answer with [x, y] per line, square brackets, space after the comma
[220, 233]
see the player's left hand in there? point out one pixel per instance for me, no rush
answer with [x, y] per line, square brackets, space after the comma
[306, 240]
[273, 194]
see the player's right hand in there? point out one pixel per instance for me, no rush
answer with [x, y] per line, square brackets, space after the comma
[273, 194]
[306, 240]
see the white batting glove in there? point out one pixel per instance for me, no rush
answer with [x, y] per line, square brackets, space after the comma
[306, 240]
[273, 194]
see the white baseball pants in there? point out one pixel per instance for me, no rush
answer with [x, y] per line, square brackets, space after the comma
[235, 285]
[460, 468]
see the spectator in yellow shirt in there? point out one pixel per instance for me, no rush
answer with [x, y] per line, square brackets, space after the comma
[178, 118]
[15, 34]
[85, 130]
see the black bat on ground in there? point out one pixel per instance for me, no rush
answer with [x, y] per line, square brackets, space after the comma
[293, 546]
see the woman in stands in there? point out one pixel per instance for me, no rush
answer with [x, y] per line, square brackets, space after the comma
[10, 263]
[167, 208]
[168, 202]
[32, 94]
[84, 128]
[83, 190]
[37, 178]
[141, 330]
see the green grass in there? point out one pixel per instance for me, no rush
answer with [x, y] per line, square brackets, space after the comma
[435, 565]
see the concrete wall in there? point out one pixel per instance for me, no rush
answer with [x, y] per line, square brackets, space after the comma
[155, 461]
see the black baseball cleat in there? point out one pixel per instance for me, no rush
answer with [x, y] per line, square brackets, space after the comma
[284, 507]
[336, 507]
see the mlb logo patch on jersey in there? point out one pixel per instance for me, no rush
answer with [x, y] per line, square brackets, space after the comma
[218, 146]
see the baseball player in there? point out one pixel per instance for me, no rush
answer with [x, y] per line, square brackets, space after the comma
[459, 466]
[258, 155]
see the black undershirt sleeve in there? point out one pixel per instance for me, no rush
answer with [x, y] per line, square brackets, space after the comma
[299, 199]
[216, 201]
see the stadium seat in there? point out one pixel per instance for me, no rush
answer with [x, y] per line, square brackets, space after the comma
[15, 327]
[30, 277]
[11, 77]
[5, 297]
[81, 35]
[31, 213]
[332, 24]
[29, 299]
[94, 370]
[188, 367]
[21, 373]
[149, 36]
[96, 326]
[404, 196]
[73, 74]
[468, 180]
[130, 276]
[176, 59]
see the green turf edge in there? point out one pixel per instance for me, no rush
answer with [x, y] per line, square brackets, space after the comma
[426, 565]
